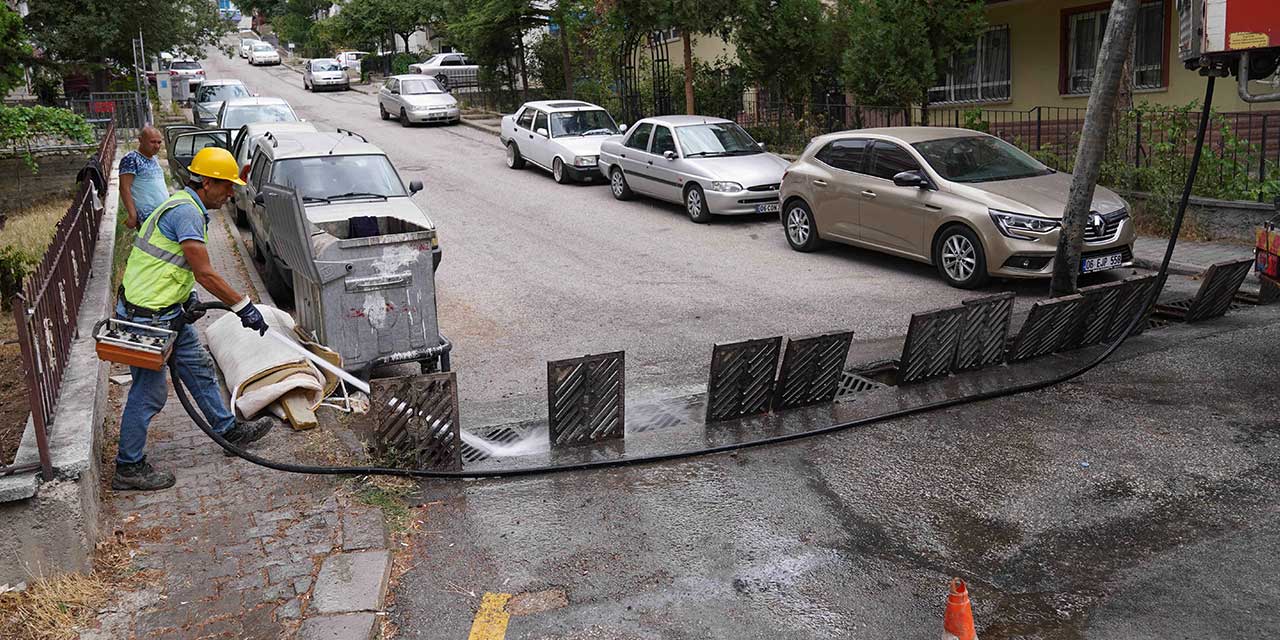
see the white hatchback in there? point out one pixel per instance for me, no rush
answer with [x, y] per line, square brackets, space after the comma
[560, 136]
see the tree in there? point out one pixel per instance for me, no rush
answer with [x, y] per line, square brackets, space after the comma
[492, 31]
[368, 21]
[785, 43]
[896, 49]
[98, 34]
[1098, 118]
[15, 52]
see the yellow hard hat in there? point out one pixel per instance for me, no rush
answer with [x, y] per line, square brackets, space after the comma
[216, 162]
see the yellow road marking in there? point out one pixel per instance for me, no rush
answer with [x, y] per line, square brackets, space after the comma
[491, 619]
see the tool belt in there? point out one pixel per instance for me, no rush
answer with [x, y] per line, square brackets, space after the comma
[134, 311]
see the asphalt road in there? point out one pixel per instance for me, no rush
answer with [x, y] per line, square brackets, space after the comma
[1136, 502]
[535, 271]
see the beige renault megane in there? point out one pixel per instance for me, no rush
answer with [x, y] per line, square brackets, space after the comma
[966, 202]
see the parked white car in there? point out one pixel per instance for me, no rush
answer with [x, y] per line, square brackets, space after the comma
[325, 73]
[449, 69]
[560, 136]
[263, 53]
[414, 98]
[710, 165]
[246, 45]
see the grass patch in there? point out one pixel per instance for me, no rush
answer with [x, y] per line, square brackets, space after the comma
[55, 607]
[32, 230]
[124, 243]
[388, 494]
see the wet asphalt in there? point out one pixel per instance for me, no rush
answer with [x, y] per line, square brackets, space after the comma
[1136, 502]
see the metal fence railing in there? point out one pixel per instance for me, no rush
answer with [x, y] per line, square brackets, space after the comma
[124, 109]
[47, 308]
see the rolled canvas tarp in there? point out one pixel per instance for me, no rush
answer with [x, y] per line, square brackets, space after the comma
[260, 371]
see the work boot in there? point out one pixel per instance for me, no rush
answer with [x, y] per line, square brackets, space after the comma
[140, 476]
[245, 432]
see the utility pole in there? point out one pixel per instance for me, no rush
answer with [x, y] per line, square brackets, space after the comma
[1098, 119]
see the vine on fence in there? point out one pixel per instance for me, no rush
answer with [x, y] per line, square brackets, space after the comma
[21, 126]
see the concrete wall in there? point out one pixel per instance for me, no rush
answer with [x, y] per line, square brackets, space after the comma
[56, 177]
[53, 526]
[1222, 220]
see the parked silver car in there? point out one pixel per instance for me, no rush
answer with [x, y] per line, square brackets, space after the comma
[449, 69]
[560, 136]
[416, 98]
[211, 95]
[711, 165]
[246, 45]
[241, 111]
[325, 73]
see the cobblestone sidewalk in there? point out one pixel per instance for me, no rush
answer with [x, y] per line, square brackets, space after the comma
[241, 551]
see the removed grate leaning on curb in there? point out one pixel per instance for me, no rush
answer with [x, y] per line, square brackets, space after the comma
[1217, 291]
[414, 419]
[740, 382]
[812, 369]
[586, 399]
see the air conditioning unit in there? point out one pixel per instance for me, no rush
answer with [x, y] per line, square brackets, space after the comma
[1231, 36]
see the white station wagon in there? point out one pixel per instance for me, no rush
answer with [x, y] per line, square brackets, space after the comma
[560, 136]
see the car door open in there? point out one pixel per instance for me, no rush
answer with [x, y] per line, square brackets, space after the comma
[184, 146]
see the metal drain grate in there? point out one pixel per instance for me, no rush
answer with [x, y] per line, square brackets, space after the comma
[501, 435]
[741, 379]
[586, 399]
[852, 384]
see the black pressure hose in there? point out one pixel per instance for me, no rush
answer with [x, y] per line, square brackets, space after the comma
[860, 422]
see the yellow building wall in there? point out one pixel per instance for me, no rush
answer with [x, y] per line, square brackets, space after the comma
[1035, 34]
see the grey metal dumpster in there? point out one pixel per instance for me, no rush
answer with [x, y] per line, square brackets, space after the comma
[364, 286]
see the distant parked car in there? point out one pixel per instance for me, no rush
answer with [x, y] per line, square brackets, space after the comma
[325, 73]
[189, 69]
[711, 165]
[449, 69]
[242, 111]
[415, 98]
[351, 59]
[246, 45]
[560, 136]
[211, 95]
[971, 204]
[263, 54]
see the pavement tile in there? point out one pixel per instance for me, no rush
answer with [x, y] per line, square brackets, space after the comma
[363, 529]
[234, 540]
[351, 626]
[354, 581]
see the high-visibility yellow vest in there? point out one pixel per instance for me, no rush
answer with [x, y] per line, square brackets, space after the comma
[157, 274]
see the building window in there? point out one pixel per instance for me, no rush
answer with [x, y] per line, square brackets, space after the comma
[979, 75]
[1083, 31]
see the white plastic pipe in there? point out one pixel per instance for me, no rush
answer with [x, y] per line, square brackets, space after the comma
[320, 362]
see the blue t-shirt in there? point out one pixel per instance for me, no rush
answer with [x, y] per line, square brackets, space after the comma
[185, 222]
[148, 189]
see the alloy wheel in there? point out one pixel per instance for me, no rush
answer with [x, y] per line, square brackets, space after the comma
[693, 203]
[511, 155]
[557, 170]
[798, 226]
[615, 182]
[958, 257]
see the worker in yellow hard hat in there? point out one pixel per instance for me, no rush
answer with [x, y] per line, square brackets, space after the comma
[169, 257]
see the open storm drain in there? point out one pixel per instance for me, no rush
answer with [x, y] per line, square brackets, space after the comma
[852, 384]
[506, 434]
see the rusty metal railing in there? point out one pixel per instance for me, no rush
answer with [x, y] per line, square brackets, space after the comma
[46, 310]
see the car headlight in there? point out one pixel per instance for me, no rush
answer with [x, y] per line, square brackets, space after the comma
[585, 161]
[724, 186]
[1022, 227]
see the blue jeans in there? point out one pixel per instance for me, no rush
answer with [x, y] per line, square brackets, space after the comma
[151, 388]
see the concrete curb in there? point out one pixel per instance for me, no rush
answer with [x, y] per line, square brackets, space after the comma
[1175, 267]
[480, 127]
[246, 258]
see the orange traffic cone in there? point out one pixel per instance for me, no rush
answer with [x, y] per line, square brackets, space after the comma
[957, 622]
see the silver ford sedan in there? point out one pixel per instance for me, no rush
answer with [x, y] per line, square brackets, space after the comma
[414, 98]
[710, 165]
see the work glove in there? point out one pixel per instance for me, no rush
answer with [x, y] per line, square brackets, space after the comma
[250, 317]
[190, 311]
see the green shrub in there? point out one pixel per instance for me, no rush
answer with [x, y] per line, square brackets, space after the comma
[22, 126]
[15, 264]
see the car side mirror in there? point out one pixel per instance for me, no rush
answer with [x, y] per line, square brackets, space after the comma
[761, 145]
[415, 186]
[910, 179]
[622, 128]
[395, 92]
[260, 200]
[670, 155]
[542, 132]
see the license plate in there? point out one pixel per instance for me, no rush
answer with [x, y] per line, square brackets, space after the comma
[768, 207]
[1101, 263]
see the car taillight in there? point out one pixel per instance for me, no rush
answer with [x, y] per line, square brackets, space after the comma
[201, 71]
[173, 74]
